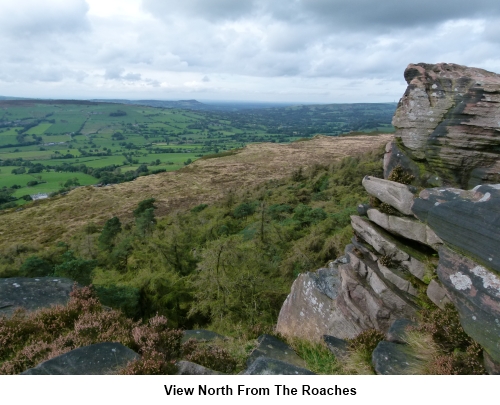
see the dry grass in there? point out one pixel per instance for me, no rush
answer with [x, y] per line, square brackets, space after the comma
[201, 182]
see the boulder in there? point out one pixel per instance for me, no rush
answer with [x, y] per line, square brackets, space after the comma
[448, 121]
[397, 331]
[406, 227]
[268, 366]
[98, 359]
[397, 195]
[475, 291]
[394, 359]
[437, 294]
[273, 348]
[307, 309]
[339, 347]
[490, 366]
[189, 368]
[33, 293]
[468, 220]
[201, 335]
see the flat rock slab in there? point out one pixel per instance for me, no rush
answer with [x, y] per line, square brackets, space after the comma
[189, 368]
[397, 331]
[268, 366]
[98, 359]
[201, 335]
[393, 359]
[33, 293]
[397, 195]
[273, 348]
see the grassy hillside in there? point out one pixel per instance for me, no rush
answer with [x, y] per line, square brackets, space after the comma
[44, 222]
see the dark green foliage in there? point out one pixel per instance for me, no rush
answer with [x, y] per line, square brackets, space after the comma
[278, 212]
[143, 206]
[400, 175]
[111, 229]
[146, 222]
[199, 208]
[74, 182]
[121, 253]
[76, 269]
[244, 210]
[124, 298]
[307, 215]
[35, 266]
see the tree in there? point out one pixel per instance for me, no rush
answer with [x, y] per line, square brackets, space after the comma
[112, 227]
[146, 222]
[143, 206]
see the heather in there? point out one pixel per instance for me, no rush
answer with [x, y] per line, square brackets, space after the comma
[28, 339]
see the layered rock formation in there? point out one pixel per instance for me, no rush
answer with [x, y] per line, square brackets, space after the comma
[440, 244]
[447, 126]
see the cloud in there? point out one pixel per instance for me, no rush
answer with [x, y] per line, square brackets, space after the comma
[34, 17]
[213, 10]
[328, 50]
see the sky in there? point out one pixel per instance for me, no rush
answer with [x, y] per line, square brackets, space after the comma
[310, 51]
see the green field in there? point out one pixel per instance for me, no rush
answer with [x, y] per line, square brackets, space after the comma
[59, 134]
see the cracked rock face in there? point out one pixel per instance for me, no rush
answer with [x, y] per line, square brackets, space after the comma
[475, 291]
[449, 120]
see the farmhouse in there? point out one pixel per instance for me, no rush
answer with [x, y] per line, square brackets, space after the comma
[39, 196]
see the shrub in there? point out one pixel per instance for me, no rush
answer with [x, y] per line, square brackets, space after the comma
[199, 208]
[35, 266]
[244, 210]
[400, 175]
[388, 209]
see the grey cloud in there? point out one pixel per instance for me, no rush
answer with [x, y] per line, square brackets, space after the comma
[132, 77]
[386, 14]
[214, 10]
[113, 73]
[205, 79]
[27, 18]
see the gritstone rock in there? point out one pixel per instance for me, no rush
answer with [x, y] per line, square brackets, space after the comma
[98, 359]
[307, 309]
[33, 293]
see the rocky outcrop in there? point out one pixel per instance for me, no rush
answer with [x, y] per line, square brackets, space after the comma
[440, 245]
[98, 359]
[447, 126]
[466, 220]
[33, 293]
